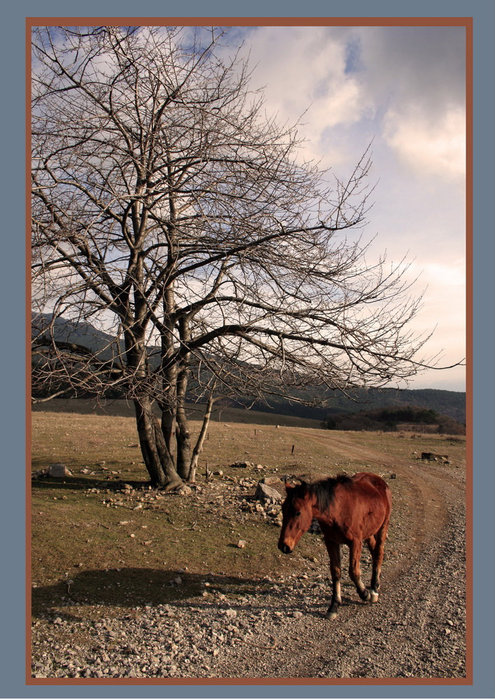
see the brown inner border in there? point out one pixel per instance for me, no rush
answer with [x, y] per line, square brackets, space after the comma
[466, 22]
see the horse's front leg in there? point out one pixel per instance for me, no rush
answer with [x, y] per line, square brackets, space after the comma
[355, 569]
[335, 571]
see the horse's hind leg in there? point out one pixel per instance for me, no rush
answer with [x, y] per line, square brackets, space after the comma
[335, 571]
[355, 569]
[375, 576]
[377, 547]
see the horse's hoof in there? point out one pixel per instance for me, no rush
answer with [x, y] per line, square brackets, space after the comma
[331, 615]
[365, 595]
[373, 596]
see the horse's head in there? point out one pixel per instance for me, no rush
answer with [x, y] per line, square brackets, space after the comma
[297, 512]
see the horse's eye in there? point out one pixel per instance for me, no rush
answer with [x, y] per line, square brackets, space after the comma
[298, 513]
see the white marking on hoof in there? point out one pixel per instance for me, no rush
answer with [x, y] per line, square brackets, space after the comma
[332, 616]
[373, 596]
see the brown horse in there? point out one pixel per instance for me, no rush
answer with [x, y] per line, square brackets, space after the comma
[349, 510]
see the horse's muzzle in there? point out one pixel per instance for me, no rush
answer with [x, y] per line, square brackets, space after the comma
[284, 548]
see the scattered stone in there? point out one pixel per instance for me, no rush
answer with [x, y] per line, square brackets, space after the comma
[271, 480]
[241, 544]
[433, 457]
[40, 474]
[58, 470]
[241, 465]
[265, 493]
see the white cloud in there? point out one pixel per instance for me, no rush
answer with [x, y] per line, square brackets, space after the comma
[352, 84]
[446, 276]
[429, 148]
[304, 74]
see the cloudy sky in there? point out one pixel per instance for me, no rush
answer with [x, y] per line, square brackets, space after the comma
[403, 89]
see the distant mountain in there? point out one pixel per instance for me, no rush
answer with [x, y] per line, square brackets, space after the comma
[78, 332]
[314, 402]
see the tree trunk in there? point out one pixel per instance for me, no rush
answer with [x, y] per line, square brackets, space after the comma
[157, 458]
[168, 425]
[182, 432]
[169, 372]
[201, 438]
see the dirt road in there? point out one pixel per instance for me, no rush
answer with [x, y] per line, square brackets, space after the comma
[276, 630]
[417, 630]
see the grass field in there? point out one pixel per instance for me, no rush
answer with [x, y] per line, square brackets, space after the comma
[95, 544]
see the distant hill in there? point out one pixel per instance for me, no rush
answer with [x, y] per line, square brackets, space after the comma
[449, 403]
[315, 403]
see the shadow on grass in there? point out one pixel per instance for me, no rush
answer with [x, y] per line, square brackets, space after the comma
[134, 587]
[77, 483]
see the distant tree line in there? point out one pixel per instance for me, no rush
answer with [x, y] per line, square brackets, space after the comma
[392, 419]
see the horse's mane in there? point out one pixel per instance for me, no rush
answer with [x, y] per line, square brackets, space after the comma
[323, 489]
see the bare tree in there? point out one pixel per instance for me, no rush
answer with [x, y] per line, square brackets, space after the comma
[170, 209]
